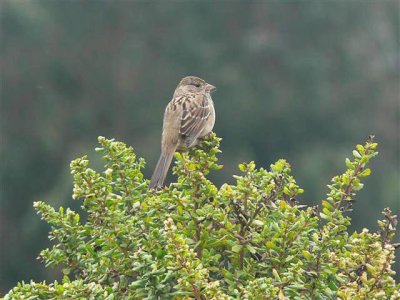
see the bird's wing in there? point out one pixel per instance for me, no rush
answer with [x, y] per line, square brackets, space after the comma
[196, 111]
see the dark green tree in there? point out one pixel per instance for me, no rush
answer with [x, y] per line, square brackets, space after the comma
[192, 240]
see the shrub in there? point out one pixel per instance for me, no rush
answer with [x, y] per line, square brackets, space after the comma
[251, 240]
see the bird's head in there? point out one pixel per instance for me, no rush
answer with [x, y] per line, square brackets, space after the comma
[193, 84]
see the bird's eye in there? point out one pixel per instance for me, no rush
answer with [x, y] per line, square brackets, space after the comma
[196, 84]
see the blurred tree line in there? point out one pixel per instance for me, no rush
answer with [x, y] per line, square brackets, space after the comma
[300, 81]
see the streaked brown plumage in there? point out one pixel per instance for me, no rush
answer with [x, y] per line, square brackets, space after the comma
[188, 117]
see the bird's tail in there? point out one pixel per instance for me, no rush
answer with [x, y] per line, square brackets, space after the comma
[161, 170]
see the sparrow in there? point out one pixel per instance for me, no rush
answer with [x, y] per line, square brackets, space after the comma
[189, 117]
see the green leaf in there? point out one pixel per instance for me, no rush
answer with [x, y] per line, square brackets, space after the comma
[327, 205]
[251, 249]
[349, 165]
[237, 248]
[242, 168]
[307, 254]
[356, 154]
[365, 173]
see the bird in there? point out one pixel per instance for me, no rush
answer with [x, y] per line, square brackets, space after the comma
[188, 117]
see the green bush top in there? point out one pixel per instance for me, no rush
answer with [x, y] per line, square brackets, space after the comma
[193, 240]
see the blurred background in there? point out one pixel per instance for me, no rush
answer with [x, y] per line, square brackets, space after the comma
[305, 81]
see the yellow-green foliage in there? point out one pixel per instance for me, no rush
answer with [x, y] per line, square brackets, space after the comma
[193, 240]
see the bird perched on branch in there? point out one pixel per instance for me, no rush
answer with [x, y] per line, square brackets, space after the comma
[188, 117]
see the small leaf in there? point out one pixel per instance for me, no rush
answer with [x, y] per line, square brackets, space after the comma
[66, 271]
[349, 164]
[356, 154]
[236, 248]
[360, 148]
[251, 249]
[258, 223]
[276, 275]
[327, 205]
[242, 168]
[365, 173]
[307, 254]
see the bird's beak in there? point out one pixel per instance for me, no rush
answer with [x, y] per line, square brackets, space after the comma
[210, 88]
